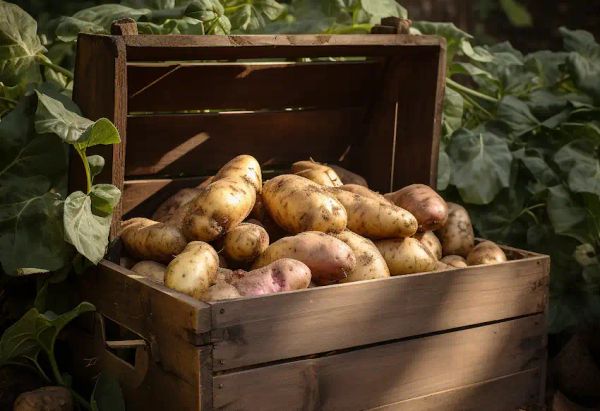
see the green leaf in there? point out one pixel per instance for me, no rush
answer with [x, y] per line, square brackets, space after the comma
[455, 38]
[444, 171]
[253, 16]
[107, 395]
[19, 45]
[104, 199]
[579, 161]
[453, 111]
[96, 163]
[580, 41]
[547, 65]
[52, 117]
[481, 165]
[185, 25]
[212, 14]
[377, 9]
[87, 232]
[584, 60]
[516, 115]
[567, 217]
[102, 131]
[533, 159]
[517, 14]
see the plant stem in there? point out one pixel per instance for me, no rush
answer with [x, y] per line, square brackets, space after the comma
[82, 401]
[46, 62]
[476, 105]
[88, 173]
[459, 87]
[9, 100]
[55, 371]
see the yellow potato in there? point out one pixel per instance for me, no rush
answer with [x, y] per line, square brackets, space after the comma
[369, 261]
[319, 173]
[373, 218]
[245, 242]
[297, 204]
[457, 235]
[406, 256]
[219, 207]
[194, 270]
[424, 203]
[430, 240]
[486, 252]
[348, 177]
[220, 291]
[245, 167]
[151, 269]
[260, 214]
[173, 203]
[441, 266]
[455, 261]
[364, 191]
[146, 239]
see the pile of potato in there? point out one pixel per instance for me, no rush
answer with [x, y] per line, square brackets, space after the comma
[316, 226]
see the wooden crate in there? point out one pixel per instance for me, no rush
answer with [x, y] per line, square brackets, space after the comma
[470, 338]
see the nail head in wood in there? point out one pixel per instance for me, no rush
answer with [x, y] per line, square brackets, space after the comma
[124, 27]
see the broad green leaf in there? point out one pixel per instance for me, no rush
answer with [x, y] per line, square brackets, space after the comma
[453, 111]
[547, 65]
[544, 104]
[104, 198]
[185, 25]
[455, 38]
[472, 70]
[444, 171]
[101, 131]
[533, 159]
[96, 163]
[516, 115]
[580, 41]
[584, 60]
[481, 165]
[87, 232]
[567, 217]
[52, 117]
[475, 53]
[212, 14]
[107, 395]
[579, 160]
[19, 45]
[377, 9]
[253, 16]
[517, 14]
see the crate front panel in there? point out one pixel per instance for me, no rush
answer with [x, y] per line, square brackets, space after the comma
[258, 330]
[398, 371]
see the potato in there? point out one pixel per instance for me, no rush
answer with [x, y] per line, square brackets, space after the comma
[319, 173]
[220, 291]
[145, 239]
[406, 256]
[441, 266]
[430, 240]
[170, 206]
[424, 203]
[373, 218]
[486, 252]
[245, 242]
[328, 258]
[284, 274]
[363, 191]
[194, 270]
[455, 261]
[151, 269]
[259, 213]
[348, 177]
[369, 261]
[457, 235]
[245, 167]
[50, 398]
[219, 207]
[126, 262]
[206, 182]
[297, 204]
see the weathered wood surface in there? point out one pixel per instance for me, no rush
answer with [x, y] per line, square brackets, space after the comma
[388, 373]
[262, 329]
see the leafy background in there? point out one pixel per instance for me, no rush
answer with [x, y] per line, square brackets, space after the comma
[520, 144]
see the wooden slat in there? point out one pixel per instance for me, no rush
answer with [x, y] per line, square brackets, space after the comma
[387, 373]
[182, 47]
[196, 143]
[249, 86]
[100, 90]
[506, 393]
[262, 329]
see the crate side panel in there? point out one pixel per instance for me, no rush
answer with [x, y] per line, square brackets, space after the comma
[258, 330]
[388, 373]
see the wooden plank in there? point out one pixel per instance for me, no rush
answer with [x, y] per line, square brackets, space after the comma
[388, 373]
[199, 144]
[257, 330]
[182, 47]
[510, 392]
[249, 86]
[100, 91]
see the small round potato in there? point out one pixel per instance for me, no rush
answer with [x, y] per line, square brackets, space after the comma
[364, 191]
[146, 239]
[430, 240]
[245, 242]
[440, 266]
[348, 177]
[424, 203]
[319, 173]
[245, 167]
[194, 270]
[170, 206]
[457, 235]
[406, 256]
[220, 291]
[151, 269]
[455, 261]
[486, 252]
[369, 261]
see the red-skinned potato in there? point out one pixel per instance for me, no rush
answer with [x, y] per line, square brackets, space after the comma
[429, 208]
[285, 274]
[486, 252]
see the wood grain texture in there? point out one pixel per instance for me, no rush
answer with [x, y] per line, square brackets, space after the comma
[249, 86]
[100, 91]
[505, 393]
[182, 47]
[262, 329]
[199, 144]
[388, 373]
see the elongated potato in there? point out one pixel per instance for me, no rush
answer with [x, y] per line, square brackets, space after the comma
[424, 203]
[348, 177]
[194, 270]
[219, 207]
[259, 213]
[329, 259]
[430, 240]
[364, 191]
[245, 242]
[151, 269]
[406, 256]
[455, 261]
[245, 167]
[170, 206]
[220, 291]
[285, 274]
[373, 218]
[146, 239]
[486, 252]
[457, 235]
[369, 261]
[297, 204]
[319, 173]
